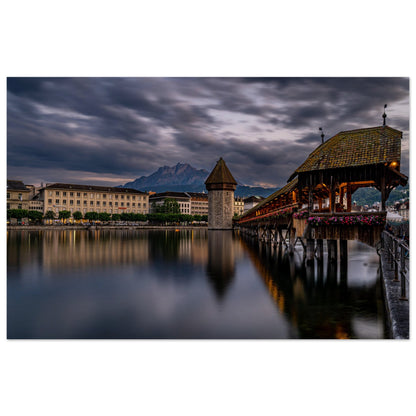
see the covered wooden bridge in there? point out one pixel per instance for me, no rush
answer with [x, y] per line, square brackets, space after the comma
[316, 203]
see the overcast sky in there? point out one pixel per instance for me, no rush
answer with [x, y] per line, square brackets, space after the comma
[108, 131]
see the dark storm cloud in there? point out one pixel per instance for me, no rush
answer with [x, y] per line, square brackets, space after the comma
[127, 127]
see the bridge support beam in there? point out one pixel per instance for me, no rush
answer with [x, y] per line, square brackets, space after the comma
[332, 251]
[343, 248]
[292, 239]
[310, 251]
[320, 250]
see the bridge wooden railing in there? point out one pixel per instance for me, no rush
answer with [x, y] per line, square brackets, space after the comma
[268, 215]
[398, 254]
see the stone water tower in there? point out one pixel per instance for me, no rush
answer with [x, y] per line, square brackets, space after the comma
[221, 186]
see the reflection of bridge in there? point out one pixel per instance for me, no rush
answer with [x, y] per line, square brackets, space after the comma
[315, 205]
[319, 303]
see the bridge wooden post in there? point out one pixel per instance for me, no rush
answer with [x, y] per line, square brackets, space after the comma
[343, 248]
[320, 249]
[310, 250]
[292, 239]
[332, 251]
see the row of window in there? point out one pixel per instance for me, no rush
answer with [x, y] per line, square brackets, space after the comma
[104, 196]
[19, 196]
[96, 203]
[108, 211]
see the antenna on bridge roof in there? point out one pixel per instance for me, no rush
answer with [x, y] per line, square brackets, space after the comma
[322, 134]
[384, 115]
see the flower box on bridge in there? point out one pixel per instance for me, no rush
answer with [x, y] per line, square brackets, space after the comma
[343, 226]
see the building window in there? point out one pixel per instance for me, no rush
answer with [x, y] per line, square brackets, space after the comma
[56, 201]
[71, 202]
[104, 196]
[64, 201]
[133, 197]
[116, 204]
[122, 196]
[104, 203]
[78, 194]
[91, 203]
[110, 203]
[19, 206]
[71, 194]
[85, 202]
[98, 203]
[85, 194]
[64, 193]
[49, 201]
[57, 193]
[78, 202]
[128, 204]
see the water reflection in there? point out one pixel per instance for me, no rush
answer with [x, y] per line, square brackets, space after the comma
[320, 305]
[185, 284]
[221, 261]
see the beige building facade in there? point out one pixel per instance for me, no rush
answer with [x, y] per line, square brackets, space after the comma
[87, 198]
[18, 195]
[238, 206]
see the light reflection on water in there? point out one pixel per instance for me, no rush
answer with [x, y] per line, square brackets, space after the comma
[186, 284]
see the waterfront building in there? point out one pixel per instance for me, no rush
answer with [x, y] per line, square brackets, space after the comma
[18, 195]
[238, 205]
[221, 186]
[403, 211]
[86, 198]
[251, 202]
[182, 198]
[199, 203]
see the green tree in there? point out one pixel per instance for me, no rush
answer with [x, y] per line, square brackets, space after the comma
[77, 215]
[170, 206]
[115, 217]
[35, 216]
[49, 215]
[104, 216]
[63, 215]
[91, 216]
[17, 213]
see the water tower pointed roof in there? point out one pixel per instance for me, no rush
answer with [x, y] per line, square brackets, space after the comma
[220, 174]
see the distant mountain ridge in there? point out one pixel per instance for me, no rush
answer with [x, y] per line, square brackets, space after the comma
[185, 178]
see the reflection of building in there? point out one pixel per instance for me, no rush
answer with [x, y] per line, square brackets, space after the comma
[221, 186]
[81, 249]
[17, 195]
[221, 260]
[86, 198]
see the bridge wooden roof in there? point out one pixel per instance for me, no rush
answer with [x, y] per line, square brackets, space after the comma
[354, 148]
[220, 174]
[289, 187]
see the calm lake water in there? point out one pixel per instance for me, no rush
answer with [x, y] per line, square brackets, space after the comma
[184, 284]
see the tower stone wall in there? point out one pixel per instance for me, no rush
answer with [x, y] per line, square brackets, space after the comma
[221, 186]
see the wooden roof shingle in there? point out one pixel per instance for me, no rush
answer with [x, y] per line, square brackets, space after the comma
[353, 148]
[220, 174]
